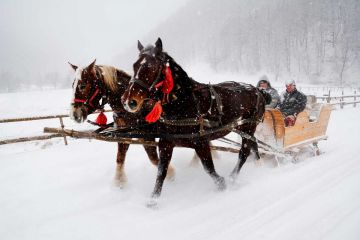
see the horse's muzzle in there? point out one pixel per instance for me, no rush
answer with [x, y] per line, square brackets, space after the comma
[78, 114]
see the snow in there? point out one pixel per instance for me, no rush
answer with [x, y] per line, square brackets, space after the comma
[52, 191]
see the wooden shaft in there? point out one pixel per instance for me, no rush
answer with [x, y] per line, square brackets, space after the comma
[91, 135]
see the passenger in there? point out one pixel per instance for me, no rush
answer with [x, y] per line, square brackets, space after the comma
[265, 85]
[292, 103]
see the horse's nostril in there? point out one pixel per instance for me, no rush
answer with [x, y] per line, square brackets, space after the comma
[132, 104]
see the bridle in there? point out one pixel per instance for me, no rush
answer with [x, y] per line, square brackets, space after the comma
[98, 90]
[154, 87]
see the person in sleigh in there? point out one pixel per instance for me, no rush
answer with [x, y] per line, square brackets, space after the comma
[292, 102]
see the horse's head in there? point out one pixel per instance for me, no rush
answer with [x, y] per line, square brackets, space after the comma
[86, 92]
[148, 73]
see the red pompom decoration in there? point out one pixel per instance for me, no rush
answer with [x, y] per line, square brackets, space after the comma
[168, 83]
[101, 119]
[155, 113]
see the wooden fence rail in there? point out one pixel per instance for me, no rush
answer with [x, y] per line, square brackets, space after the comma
[341, 99]
[40, 137]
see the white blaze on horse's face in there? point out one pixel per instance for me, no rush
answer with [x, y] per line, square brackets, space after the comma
[133, 92]
[78, 74]
[141, 64]
[126, 104]
[77, 112]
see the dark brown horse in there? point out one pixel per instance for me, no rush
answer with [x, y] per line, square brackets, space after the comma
[192, 114]
[93, 87]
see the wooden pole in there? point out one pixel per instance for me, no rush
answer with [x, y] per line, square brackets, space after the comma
[91, 135]
[28, 139]
[38, 118]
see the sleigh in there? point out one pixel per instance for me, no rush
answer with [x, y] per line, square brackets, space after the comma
[310, 128]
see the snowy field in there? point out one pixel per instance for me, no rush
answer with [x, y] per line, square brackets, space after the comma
[52, 191]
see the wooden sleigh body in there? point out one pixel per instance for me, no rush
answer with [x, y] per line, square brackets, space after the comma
[310, 128]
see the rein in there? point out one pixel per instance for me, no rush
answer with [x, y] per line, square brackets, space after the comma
[130, 133]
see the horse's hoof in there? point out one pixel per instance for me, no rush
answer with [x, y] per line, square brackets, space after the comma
[120, 178]
[120, 181]
[152, 203]
[220, 182]
[232, 178]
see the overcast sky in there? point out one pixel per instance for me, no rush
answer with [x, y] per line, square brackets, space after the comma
[42, 35]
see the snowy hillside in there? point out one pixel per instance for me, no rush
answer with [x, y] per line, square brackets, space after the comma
[52, 191]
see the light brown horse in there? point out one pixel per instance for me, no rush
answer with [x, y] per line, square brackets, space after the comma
[93, 87]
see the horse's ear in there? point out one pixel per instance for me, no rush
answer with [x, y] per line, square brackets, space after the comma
[158, 45]
[73, 66]
[91, 67]
[140, 46]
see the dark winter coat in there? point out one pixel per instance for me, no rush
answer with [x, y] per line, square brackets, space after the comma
[292, 103]
[275, 98]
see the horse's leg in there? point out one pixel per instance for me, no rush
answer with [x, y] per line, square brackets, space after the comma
[195, 159]
[256, 150]
[246, 145]
[166, 149]
[204, 153]
[154, 159]
[120, 176]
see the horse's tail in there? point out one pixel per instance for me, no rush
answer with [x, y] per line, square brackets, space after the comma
[266, 96]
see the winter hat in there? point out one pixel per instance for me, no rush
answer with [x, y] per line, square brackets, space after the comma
[263, 79]
[290, 82]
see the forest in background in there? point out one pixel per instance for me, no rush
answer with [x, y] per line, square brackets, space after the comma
[313, 41]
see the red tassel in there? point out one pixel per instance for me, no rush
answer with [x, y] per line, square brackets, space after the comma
[101, 119]
[155, 113]
[168, 81]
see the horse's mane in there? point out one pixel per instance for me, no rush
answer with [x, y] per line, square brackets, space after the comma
[175, 66]
[110, 75]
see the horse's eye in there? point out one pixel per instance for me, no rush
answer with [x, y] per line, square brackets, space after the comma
[82, 86]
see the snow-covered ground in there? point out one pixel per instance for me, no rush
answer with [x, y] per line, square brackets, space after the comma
[52, 191]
